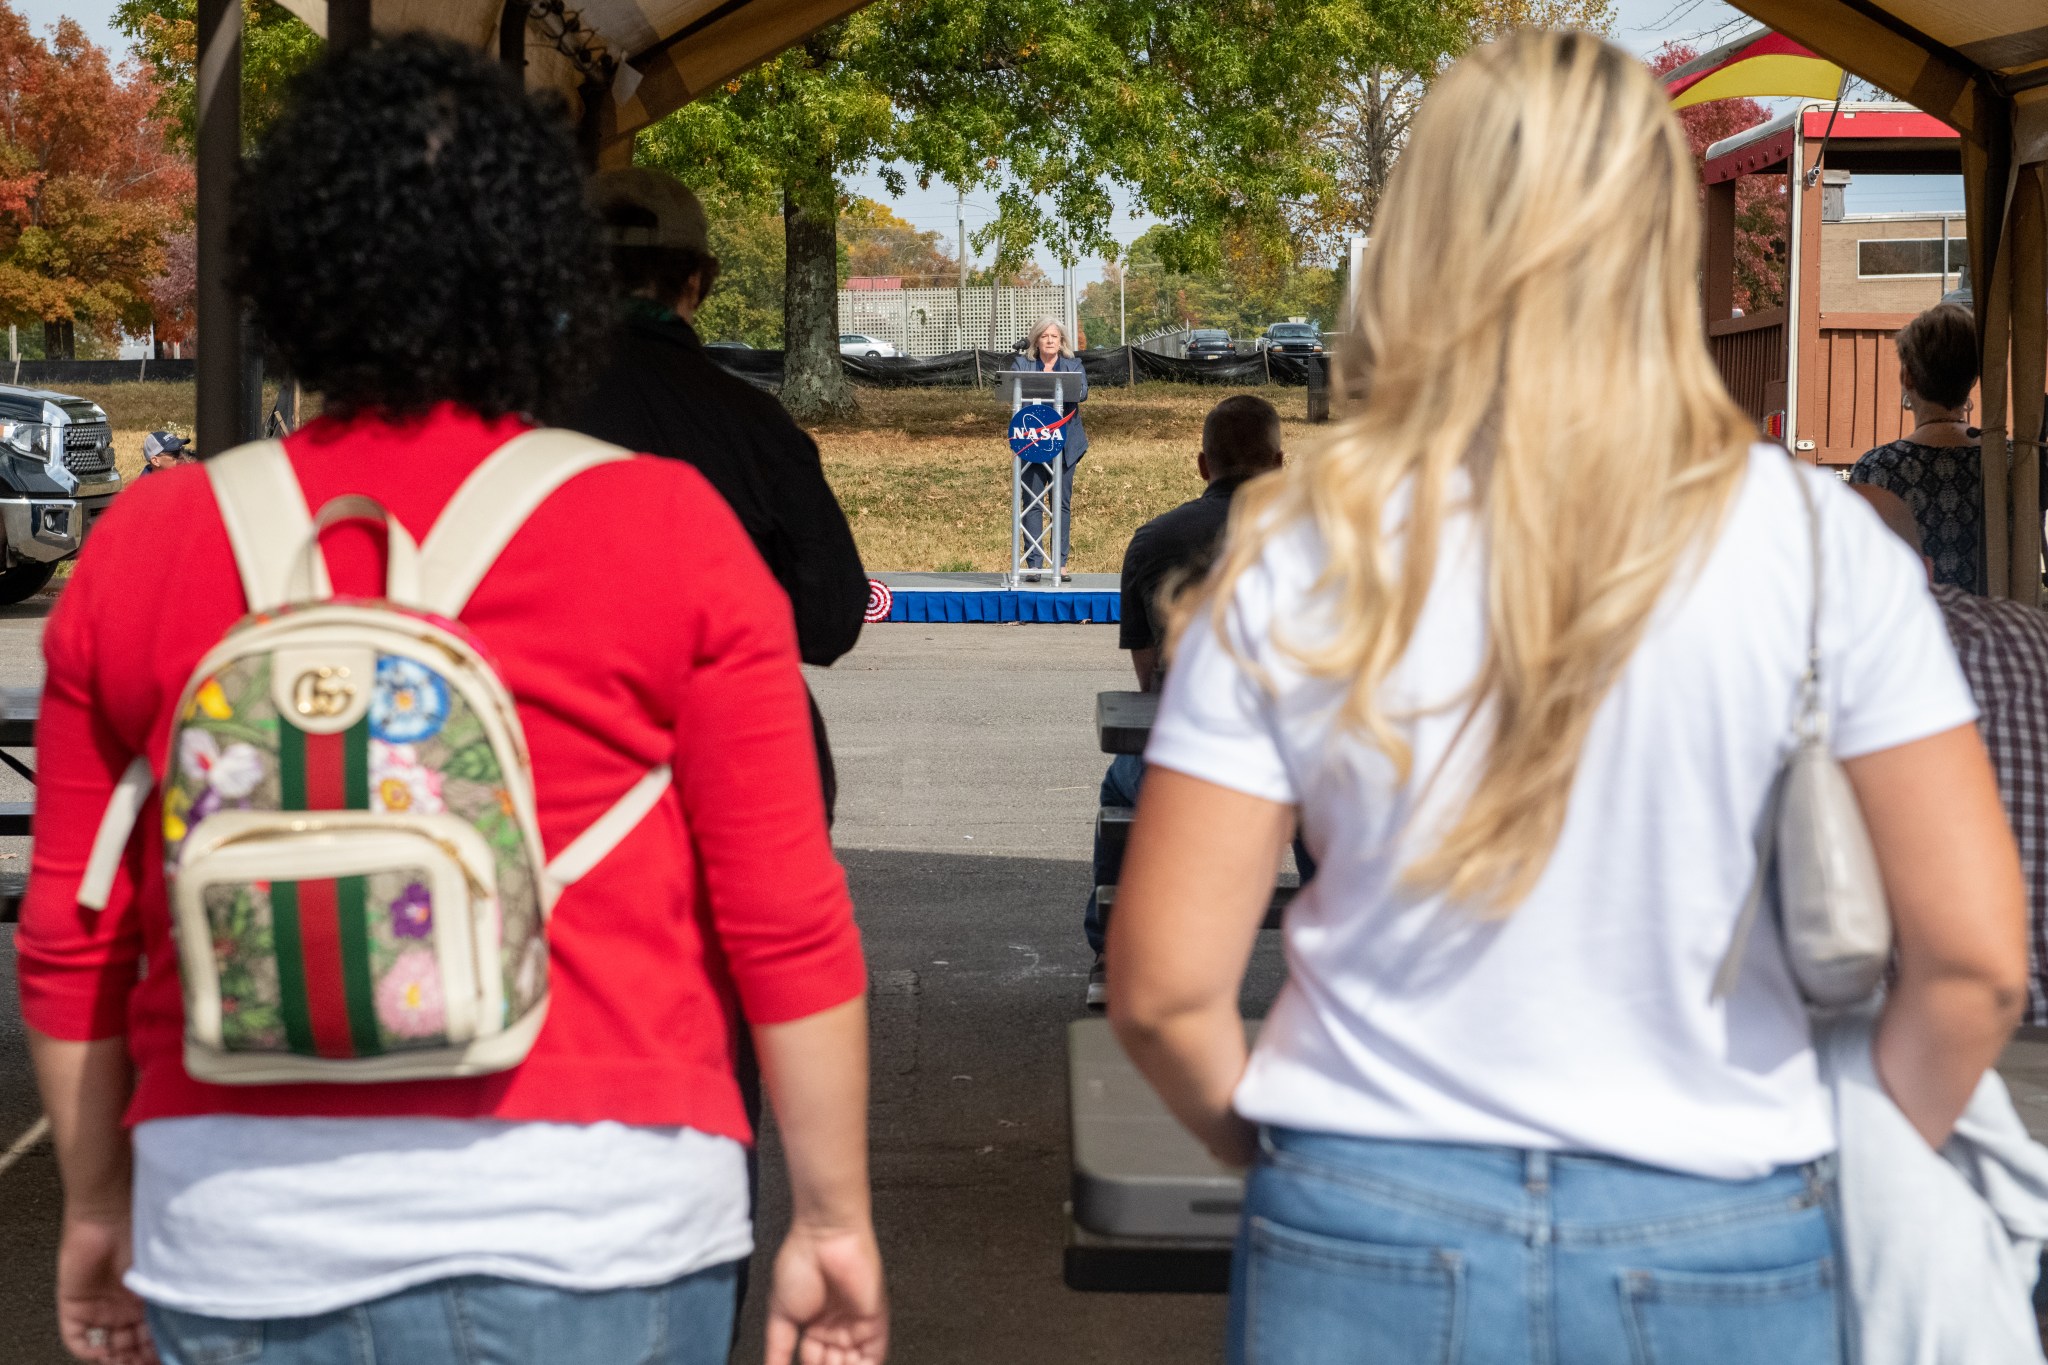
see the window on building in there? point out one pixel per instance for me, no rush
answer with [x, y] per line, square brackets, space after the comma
[1881, 256]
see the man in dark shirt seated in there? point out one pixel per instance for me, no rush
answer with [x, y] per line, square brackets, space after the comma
[1240, 440]
[662, 394]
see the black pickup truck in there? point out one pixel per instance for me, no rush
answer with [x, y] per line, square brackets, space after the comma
[56, 476]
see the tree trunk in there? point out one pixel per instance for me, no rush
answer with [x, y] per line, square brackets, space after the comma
[813, 381]
[59, 340]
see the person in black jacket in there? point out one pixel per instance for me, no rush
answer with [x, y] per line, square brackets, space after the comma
[662, 394]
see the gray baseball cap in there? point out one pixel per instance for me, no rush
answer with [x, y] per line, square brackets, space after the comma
[643, 207]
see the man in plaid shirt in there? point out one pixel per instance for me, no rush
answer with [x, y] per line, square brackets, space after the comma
[2003, 648]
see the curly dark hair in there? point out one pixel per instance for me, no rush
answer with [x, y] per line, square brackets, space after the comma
[414, 230]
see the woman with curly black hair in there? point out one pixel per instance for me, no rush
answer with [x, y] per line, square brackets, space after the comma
[415, 243]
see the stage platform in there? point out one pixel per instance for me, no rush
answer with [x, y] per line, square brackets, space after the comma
[959, 597]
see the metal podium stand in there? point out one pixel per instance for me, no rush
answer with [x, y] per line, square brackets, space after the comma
[1036, 441]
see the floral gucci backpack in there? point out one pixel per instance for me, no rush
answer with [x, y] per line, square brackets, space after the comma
[355, 873]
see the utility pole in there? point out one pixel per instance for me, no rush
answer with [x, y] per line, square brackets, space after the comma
[1122, 332]
[960, 291]
[1073, 320]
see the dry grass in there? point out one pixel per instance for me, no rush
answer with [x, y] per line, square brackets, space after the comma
[924, 474]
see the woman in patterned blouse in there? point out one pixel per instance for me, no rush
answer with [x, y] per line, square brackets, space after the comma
[1938, 468]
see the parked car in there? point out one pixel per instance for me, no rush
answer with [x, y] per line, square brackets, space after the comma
[1293, 338]
[727, 346]
[1962, 293]
[866, 347]
[56, 476]
[1210, 343]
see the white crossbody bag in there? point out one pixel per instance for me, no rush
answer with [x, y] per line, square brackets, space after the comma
[1815, 851]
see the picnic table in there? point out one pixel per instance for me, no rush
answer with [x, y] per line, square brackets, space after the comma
[1123, 720]
[1151, 1211]
[1123, 723]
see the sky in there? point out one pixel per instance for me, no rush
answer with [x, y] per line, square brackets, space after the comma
[1640, 25]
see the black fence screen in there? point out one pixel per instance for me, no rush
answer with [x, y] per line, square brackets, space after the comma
[1111, 365]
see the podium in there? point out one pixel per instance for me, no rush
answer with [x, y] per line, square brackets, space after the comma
[1038, 437]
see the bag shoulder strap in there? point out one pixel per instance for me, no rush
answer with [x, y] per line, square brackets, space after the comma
[609, 830]
[1812, 714]
[492, 504]
[1809, 727]
[267, 521]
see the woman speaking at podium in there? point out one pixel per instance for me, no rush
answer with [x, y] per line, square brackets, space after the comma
[1052, 353]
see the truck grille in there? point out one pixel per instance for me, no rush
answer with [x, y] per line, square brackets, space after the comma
[88, 448]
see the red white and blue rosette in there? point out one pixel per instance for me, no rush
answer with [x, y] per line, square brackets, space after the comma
[880, 601]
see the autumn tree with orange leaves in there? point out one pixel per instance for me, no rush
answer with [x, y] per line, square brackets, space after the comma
[90, 187]
[1761, 212]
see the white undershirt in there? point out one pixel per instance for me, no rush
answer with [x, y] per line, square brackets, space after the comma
[1583, 1020]
[267, 1217]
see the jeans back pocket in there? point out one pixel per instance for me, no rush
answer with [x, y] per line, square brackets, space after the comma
[1700, 1317]
[190, 1339]
[1316, 1300]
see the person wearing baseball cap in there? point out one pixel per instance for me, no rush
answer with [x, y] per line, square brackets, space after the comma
[660, 392]
[165, 449]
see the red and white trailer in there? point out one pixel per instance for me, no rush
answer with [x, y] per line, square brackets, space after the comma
[1820, 372]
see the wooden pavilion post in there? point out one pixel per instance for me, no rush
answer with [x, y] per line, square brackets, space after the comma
[1717, 266]
[219, 368]
[2027, 223]
[348, 25]
[1987, 164]
[1806, 426]
[512, 36]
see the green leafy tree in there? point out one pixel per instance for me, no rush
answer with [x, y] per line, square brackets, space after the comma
[1198, 113]
[276, 46]
[746, 237]
[1240, 295]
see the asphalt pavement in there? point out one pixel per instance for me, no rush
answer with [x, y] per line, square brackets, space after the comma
[968, 775]
[29, 1201]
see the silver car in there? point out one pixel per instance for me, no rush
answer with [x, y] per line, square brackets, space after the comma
[864, 347]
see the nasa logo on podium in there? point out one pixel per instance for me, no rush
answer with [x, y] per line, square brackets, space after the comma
[1037, 434]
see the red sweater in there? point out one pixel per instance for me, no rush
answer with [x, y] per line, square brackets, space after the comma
[634, 624]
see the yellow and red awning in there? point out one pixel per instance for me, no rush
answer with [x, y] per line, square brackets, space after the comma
[1758, 65]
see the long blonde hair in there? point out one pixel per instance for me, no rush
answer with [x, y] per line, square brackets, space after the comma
[1527, 315]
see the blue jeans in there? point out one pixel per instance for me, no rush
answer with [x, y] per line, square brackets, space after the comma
[475, 1321]
[1401, 1253]
[1119, 788]
[1036, 478]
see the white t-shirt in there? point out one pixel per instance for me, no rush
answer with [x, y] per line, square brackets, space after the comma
[266, 1218]
[1583, 1020]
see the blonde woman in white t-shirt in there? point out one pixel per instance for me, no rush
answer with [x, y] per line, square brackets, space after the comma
[1520, 645]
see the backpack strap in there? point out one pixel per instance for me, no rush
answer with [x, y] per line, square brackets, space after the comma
[467, 538]
[492, 504]
[267, 521]
[123, 808]
[609, 830]
[268, 524]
